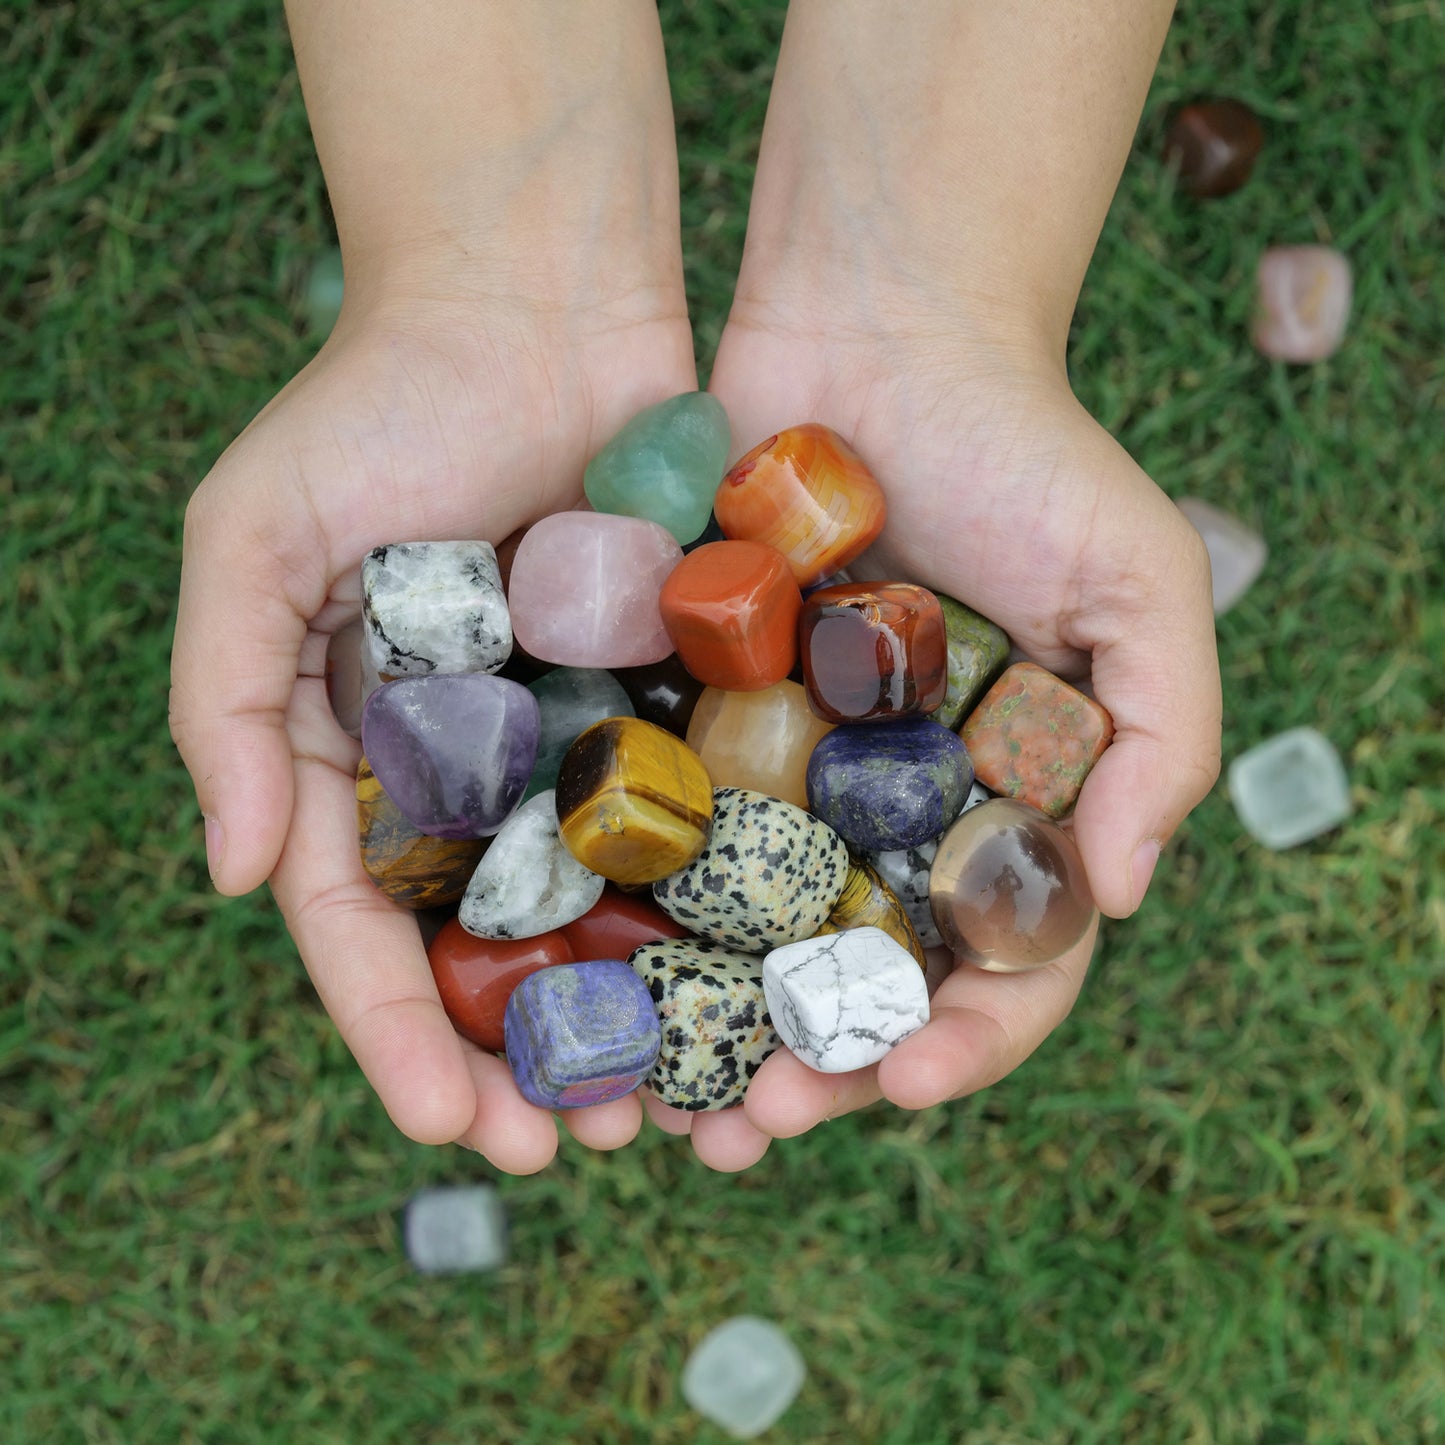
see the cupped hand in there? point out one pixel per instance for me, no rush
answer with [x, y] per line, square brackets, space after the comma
[436, 415]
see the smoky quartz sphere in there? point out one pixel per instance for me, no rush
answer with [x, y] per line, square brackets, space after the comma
[1008, 890]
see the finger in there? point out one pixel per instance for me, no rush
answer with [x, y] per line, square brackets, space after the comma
[605, 1126]
[671, 1121]
[515, 1136]
[728, 1141]
[787, 1098]
[981, 1027]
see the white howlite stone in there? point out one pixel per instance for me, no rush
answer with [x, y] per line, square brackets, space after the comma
[1236, 554]
[435, 607]
[1290, 788]
[843, 1000]
[905, 871]
[460, 1229]
[527, 882]
[743, 1375]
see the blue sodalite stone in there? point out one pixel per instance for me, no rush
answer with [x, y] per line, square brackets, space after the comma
[883, 787]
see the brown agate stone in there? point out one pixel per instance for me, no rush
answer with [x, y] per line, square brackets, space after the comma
[1214, 144]
[868, 902]
[1008, 889]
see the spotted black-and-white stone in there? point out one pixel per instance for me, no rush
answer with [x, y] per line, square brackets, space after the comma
[842, 1001]
[435, 607]
[905, 871]
[770, 874]
[715, 1025]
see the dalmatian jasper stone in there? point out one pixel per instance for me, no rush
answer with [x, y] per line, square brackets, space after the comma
[434, 607]
[769, 874]
[715, 1025]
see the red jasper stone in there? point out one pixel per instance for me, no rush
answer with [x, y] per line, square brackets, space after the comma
[872, 651]
[475, 976]
[731, 609]
[616, 924]
[1214, 144]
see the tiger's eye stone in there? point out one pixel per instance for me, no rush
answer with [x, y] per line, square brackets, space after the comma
[868, 902]
[410, 867]
[618, 924]
[1214, 145]
[1304, 302]
[634, 803]
[1035, 738]
[475, 976]
[873, 651]
[1008, 889]
[758, 740]
[663, 693]
[806, 492]
[977, 652]
[731, 610]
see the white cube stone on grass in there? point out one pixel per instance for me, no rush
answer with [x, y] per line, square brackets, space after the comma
[743, 1375]
[843, 1000]
[435, 607]
[1290, 788]
[456, 1229]
[1236, 553]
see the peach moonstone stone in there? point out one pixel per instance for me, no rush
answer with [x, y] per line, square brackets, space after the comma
[1304, 302]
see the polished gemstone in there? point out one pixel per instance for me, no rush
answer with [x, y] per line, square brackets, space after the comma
[584, 589]
[350, 677]
[884, 788]
[806, 492]
[580, 1034]
[1008, 888]
[715, 1026]
[571, 699]
[1035, 738]
[1290, 788]
[475, 976]
[664, 465]
[905, 871]
[873, 651]
[528, 883]
[770, 874]
[842, 1001]
[868, 902]
[731, 609]
[663, 692]
[434, 607]
[743, 1375]
[977, 651]
[634, 801]
[455, 1229]
[758, 740]
[617, 924]
[454, 752]
[411, 867]
[1304, 302]
[1213, 144]
[1237, 553]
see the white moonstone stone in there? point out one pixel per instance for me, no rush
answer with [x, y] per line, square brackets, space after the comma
[527, 882]
[456, 1230]
[1236, 554]
[843, 1000]
[435, 607]
[743, 1374]
[1290, 788]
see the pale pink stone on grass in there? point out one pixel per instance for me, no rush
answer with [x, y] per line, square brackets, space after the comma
[584, 589]
[1304, 299]
[1236, 554]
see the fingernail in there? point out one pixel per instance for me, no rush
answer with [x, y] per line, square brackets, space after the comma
[215, 844]
[1142, 870]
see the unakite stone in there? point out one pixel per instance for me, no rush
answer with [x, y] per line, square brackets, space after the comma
[664, 465]
[571, 700]
[977, 651]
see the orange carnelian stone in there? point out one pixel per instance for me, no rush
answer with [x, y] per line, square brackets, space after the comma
[616, 924]
[806, 492]
[731, 609]
[475, 976]
[1035, 738]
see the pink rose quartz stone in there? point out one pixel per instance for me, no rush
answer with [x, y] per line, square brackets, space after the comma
[584, 590]
[1304, 302]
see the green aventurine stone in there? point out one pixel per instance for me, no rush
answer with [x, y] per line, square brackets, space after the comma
[977, 651]
[664, 465]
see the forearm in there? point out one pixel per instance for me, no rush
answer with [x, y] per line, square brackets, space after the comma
[974, 148]
[524, 142]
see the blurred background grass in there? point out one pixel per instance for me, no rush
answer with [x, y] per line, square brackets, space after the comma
[1209, 1209]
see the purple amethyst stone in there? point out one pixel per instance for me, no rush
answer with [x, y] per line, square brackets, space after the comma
[888, 786]
[581, 1033]
[453, 752]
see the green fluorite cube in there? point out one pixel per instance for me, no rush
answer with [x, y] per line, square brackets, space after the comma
[977, 651]
[664, 465]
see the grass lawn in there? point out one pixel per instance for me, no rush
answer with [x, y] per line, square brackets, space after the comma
[1211, 1208]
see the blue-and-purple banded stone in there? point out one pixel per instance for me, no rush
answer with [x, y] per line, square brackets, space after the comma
[889, 787]
[454, 752]
[581, 1033]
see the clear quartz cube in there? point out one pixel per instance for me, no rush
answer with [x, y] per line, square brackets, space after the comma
[1236, 554]
[1290, 788]
[743, 1375]
[455, 1229]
